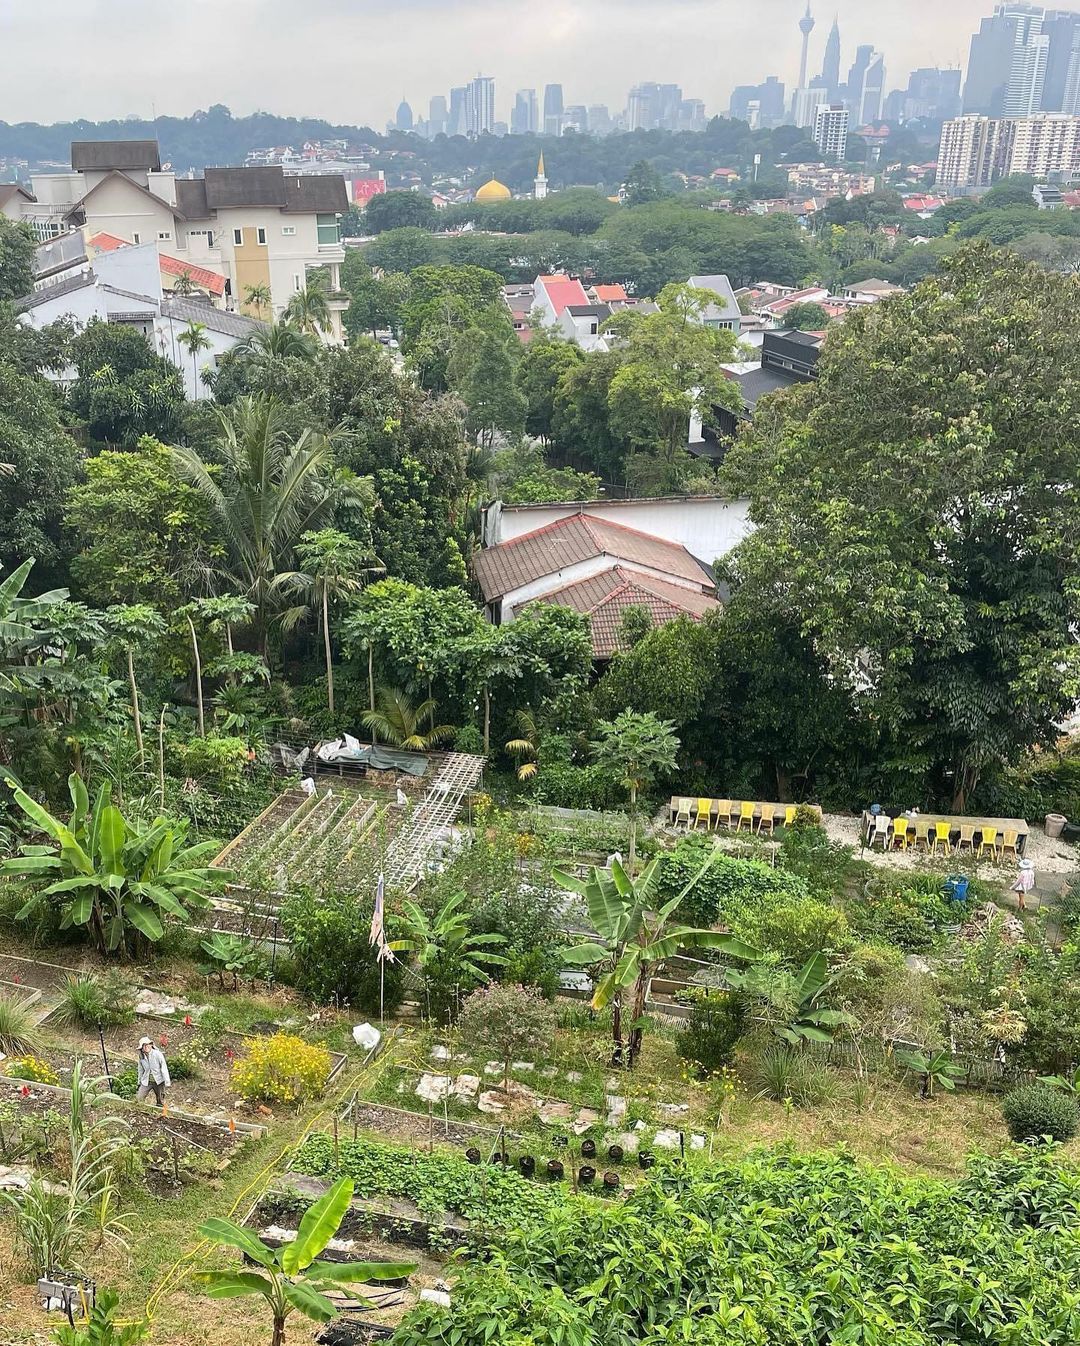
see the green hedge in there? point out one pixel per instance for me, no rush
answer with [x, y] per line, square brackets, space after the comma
[730, 889]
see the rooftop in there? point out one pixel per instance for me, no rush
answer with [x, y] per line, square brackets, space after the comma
[124, 155]
[170, 266]
[562, 291]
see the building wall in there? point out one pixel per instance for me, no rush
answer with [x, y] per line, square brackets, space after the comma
[119, 208]
[250, 261]
[708, 527]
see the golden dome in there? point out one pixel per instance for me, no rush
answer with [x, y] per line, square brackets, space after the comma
[493, 191]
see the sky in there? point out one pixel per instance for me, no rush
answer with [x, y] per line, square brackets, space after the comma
[351, 61]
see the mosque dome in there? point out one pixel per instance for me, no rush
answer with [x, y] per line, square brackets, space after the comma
[493, 191]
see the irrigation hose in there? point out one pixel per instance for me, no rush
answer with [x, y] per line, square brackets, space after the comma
[169, 1280]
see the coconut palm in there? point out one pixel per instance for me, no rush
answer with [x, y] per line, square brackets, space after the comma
[398, 722]
[184, 284]
[257, 297]
[526, 746]
[278, 341]
[309, 309]
[269, 490]
[194, 340]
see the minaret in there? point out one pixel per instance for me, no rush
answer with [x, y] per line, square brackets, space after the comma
[540, 183]
[806, 27]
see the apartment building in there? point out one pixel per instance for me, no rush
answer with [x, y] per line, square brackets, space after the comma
[255, 227]
[968, 155]
[1044, 146]
[976, 151]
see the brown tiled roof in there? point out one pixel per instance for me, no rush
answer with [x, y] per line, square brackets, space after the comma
[323, 193]
[605, 597]
[125, 155]
[575, 538]
[227, 188]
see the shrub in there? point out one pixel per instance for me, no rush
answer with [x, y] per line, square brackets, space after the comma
[730, 888]
[216, 762]
[807, 851]
[468, 738]
[1035, 1111]
[717, 1021]
[796, 929]
[281, 1069]
[126, 1084]
[93, 1001]
[333, 960]
[18, 1032]
[776, 1073]
[567, 786]
[508, 1020]
[32, 1069]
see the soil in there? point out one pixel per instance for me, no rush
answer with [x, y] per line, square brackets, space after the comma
[27, 972]
[409, 1126]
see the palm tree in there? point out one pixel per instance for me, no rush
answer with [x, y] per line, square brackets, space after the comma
[269, 490]
[634, 939]
[309, 310]
[291, 1278]
[194, 340]
[334, 566]
[257, 297]
[278, 341]
[397, 721]
[184, 285]
[526, 747]
[447, 953]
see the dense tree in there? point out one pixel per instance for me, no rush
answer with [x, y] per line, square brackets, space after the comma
[925, 538]
[398, 210]
[581, 417]
[541, 368]
[634, 749]
[806, 318]
[643, 184]
[490, 393]
[16, 260]
[668, 672]
[403, 250]
[123, 390]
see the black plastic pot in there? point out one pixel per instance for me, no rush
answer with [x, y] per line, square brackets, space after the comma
[555, 1169]
[611, 1181]
[646, 1159]
[586, 1174]
[473, 1155]
[615, 1153]
[526, 1165]
[588, 1149]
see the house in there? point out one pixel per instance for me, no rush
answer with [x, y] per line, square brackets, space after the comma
[173, 271]
[255, 228]
[581, 323]
[13, 200]
[124, 286]
[870, 291]
[723, 312]
[787, 358]
[1047, 197]
[520, 299]
[580, 556]
[552, 295]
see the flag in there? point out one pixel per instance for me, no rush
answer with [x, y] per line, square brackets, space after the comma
[378, 929]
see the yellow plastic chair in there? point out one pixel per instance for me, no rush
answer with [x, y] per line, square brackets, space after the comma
[989, 842]
[1010, 841]
[879, 831]
[704, 811]
[723, 812]
[942, 832]
[899, 836]
[768, 819]
[746, 815]
[922, 835]
[789, 814]
[681, 808]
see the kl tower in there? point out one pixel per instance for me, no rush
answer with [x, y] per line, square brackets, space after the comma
[806, 27]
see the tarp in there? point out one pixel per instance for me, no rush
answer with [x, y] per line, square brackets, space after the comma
[348, 752]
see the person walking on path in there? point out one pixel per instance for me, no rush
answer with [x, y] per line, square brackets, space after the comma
[153, 1073]
[1024, 882]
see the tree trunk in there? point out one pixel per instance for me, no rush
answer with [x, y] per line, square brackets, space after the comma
[161, 758]
[326, 644]
[641, 988]
[633, 827]
[487, 720]
[135, 703]
[278, 1339]
[371, 676]
[198, 677]
[616, 1029]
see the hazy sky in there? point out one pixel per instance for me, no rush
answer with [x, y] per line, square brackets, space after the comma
[351, 60]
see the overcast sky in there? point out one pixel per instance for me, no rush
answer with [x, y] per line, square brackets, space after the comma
[351, 60]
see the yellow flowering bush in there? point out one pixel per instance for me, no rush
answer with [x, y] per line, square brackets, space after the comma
[281, 1069]
[31, 1068]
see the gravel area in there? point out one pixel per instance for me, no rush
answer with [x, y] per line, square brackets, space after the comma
[1051, 857]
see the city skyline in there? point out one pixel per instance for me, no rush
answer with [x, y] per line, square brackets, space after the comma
[351, 61]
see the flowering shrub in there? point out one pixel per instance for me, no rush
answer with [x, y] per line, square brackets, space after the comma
[31, 1068]
[281, 1069]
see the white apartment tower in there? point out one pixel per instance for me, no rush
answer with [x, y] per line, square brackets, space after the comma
[1047, 147]
[831, 130]
[968, 155]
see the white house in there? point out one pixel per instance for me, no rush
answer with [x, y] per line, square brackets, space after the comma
[724, 312]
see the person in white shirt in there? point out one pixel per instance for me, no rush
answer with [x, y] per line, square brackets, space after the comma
[153, 1073]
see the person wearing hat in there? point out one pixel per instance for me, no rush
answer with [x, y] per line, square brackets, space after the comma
[1024, 882]
[153, 1073]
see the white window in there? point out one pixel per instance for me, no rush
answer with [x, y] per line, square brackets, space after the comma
[135, 238]
[262, 237]
[164, 236]
[288, 230]
[238, 238]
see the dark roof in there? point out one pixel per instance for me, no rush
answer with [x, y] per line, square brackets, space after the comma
[125, 155]
[49, 292]
[758, 382]
[217, 320]
[588, 310]
[231, 187]
[321, 192]
[574, 538]
[191, 198]
[605, 597]
[812, 339]
[236, 188]
[8, 190]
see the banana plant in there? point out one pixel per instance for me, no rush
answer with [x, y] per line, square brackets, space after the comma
[634, 939]
[792, 1001]
[291, 1278]
[935, 1068]
[97, 1325]
[118, 879]
[1068, 1084]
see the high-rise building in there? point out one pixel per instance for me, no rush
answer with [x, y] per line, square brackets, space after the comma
[643, 107]
[853, 90]
[599, 119]
[761, 105]
[975, 151]
[576, 118]
[1071, 100]
[691, 115]
[806, 27]
[480, 106]
[403, 121]
[438, 116]
[669, 100]
[873, 90]
[931, 93]
[831, 122]
[806, 103]
[553, 109]
[1062, 30]
[1001, 69]
[968, 155]
[830, 70]
[523, 115]
[457, 122]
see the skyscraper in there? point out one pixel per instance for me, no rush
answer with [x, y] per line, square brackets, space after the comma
[553, 109]
[856, 76]
[831, 130]
[403, 121]
[438, 116]
[480, 106]
[1062, 29]
[873, 90]
[1002, 68]
[806, 27]
[523, 115]
[457, 123]
[830, 70]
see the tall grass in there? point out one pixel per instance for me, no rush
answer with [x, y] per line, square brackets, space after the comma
[19, 1035]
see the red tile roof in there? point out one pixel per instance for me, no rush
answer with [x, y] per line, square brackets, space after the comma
[170, 266]
[605, 597]
[609, 294]
[562, 292]
[575, 538]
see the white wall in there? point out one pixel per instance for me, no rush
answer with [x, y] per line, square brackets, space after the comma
[166, 332]
[708, 527]
[136, 268]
